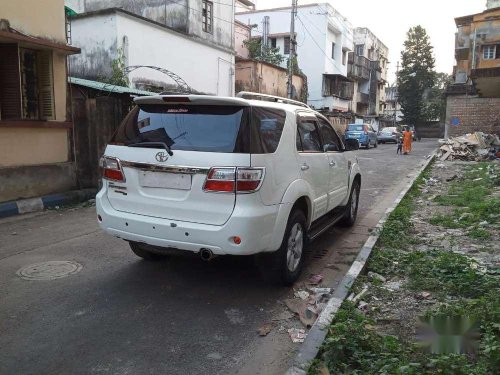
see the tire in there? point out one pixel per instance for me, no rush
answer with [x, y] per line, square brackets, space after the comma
[141, 250]
[368, 145]
[286, 263]
[351, 211]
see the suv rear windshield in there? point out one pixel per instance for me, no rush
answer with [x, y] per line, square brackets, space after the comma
[206, 128]
[356, 128]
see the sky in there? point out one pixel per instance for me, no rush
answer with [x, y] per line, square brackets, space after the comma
[391, 19]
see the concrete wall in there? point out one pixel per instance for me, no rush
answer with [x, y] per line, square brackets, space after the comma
[241, 34]
[37, 180]
[205, 68]
[182, 15]
[323, 24]
[474, 114]
[32, 146]
[264, 78]
[46, 18]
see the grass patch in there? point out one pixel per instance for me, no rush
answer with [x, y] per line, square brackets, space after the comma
[479, 234]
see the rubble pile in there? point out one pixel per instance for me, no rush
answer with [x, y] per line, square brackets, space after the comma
[470, 147]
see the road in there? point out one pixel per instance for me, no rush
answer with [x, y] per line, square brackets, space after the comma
[121, 315]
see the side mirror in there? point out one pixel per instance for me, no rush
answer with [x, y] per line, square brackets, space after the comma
[351, 144]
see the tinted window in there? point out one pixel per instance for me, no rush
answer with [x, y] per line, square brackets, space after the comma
[268, 123]
[185, 127]
[331, 141]
[309, 136]
[355, 128]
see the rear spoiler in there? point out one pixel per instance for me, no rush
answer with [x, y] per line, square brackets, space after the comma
[191, 99]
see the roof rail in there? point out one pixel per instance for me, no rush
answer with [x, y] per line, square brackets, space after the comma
[269, 98]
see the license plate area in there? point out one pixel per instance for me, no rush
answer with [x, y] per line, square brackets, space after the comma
[165, 180]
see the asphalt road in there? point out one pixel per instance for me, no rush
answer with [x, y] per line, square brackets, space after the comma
[122, 315]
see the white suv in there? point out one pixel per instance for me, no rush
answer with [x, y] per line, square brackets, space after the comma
[215, 175]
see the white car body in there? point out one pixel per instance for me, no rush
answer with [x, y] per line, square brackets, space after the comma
[186, 217]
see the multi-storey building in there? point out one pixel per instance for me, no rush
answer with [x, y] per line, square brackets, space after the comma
[190, 40]
[473, 100]
[392, 113]
[368, 66]
[35, 124]
[324, 39]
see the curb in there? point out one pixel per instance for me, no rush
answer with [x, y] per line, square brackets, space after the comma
[310, 348]
[24, 206]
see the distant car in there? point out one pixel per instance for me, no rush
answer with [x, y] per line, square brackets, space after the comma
[388, 135]
[364, 133]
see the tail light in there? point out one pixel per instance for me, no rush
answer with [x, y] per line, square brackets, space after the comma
[243, 180]
[111, 169]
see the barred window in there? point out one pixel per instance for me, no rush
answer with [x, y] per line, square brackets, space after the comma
[207, 16]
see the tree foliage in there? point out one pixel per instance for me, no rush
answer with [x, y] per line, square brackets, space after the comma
[434, 99]
[118, 77]
[416, 77]
[265, 53]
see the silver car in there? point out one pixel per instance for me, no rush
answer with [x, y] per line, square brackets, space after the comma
[387, 135]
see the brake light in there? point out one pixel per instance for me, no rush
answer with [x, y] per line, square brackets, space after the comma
[111, 169]
[229, 179]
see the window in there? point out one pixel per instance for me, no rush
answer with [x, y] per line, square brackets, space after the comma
[308, 134]
[360, 49]
[268, 123]
[333, 51]
[286, 50]
[26, 83]
[489, 52]
[344, 57]
[272, 42]
[331, 141]
[207, 16]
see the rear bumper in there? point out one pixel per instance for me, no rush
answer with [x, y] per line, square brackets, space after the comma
[253, 223]
[362, 139]
[387, 139]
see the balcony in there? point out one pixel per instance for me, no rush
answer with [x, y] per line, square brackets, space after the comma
[338, 86]
[363, 98]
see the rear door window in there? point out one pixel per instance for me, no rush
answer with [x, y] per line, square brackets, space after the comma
[355, 128]
[187, 127]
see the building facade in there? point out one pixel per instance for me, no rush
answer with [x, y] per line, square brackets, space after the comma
[35, 124]
[473, 100]
[368, 65]
[392, 113]
[324, 39]
[191, 41]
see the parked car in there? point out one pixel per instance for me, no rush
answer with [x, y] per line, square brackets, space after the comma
[364, 133]
[215, 176]
[387, 135]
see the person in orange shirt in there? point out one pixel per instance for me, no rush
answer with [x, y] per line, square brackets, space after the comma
[407, 138]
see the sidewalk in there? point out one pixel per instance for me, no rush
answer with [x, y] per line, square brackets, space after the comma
[24, 206]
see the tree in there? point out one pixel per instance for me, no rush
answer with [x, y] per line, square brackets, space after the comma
[417, 75]
[263, 53]
[118, 77]
[435, 100]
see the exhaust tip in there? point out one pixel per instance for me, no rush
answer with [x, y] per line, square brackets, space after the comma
[206, 255]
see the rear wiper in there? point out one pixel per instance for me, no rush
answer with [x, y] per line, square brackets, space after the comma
[152, 145]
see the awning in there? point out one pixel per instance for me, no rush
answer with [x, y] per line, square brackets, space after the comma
[108, 87]
[31, 41]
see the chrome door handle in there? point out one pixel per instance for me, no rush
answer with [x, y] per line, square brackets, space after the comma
[305, 167]
[332, 163]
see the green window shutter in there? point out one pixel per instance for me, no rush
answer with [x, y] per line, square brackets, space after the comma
[10, 84]
[46, 85]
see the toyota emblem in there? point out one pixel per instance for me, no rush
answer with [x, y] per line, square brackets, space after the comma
[161, 156]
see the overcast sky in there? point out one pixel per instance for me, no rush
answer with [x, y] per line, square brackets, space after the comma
[391, 19]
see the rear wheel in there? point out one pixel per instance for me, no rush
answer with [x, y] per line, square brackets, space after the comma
[285, 265]
[351, 209]
[144, 252]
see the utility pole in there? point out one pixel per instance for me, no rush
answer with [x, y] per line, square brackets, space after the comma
[293, 53]
[396, 93]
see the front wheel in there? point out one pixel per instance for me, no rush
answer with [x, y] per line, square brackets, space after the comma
[351, 209]
[286, 263]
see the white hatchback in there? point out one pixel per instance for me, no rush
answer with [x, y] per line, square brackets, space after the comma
[213, 175]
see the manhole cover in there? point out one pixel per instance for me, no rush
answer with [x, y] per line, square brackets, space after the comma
[51, 270]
